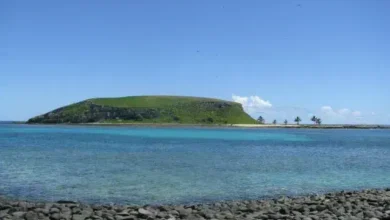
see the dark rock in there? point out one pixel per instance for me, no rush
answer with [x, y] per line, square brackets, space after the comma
[207, 213]
[378, 214]
[339, 211]
[83, 215]
[48, 206]
[97, 207]
[284, 210]
[55, 216]
[369, 214]
[219, 216]
[108, 216]
[183, 212]
[96, 217]
[7, 217]
[23, 205]
[3, 213]
[133, 212]
[296, 213]
[78, 217]
[54, 210]
[16, 209]
[163, 208]
[42, 210]
[228, 215]
[2, 207]
[120, 217]
[123, 213]
[19, 214]
[66, 215]
[320, 208]
[275, 216]
[76, 210]
[162, 215]
[99, 213]
[31, 215]
[360, 215]
[41, 216]
[174, 212]
[217, 204]
[144, 213]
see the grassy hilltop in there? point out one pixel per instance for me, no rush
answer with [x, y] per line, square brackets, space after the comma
[149, 109]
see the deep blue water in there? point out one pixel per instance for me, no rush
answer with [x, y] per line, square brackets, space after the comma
[185, 165]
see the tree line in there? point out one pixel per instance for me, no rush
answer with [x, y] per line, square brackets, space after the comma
[297, 120]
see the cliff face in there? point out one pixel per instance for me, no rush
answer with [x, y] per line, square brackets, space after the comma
[164, 109]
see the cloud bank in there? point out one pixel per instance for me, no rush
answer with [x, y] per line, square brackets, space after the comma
[344, 115]
[255, 106]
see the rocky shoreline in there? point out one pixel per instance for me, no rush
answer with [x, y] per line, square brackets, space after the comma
[367, 204]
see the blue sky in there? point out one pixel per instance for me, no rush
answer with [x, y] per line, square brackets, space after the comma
[278, 58]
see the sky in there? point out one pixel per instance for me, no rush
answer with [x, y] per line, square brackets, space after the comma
[280, 59]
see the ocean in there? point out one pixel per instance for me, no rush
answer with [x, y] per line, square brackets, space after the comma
[152, 165]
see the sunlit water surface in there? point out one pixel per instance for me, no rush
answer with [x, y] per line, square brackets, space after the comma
[186, 165]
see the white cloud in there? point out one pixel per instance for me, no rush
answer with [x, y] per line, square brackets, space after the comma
[255, 106]
[242, 100]
[344, 111]
[344, 115]
[327, 109]
[356, 113]
[257, 102]
[252, 104]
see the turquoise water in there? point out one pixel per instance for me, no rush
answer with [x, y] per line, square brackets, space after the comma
[186, 165]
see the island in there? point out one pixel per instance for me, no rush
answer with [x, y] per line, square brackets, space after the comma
[148, 109]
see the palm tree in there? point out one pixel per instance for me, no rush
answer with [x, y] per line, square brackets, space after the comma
[314, 119]
[285, 122]
[274, 122]
[297, 120]
[261, 120]
[318, 121]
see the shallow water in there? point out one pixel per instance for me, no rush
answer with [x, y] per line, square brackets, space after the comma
[183, 165]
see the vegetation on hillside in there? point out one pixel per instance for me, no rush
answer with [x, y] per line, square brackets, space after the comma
[149, 109]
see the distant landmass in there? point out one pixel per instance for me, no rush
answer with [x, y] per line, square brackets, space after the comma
[12, 122]
[148, 109]
[6, 122]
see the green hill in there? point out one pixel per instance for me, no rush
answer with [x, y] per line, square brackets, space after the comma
[149, 109]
